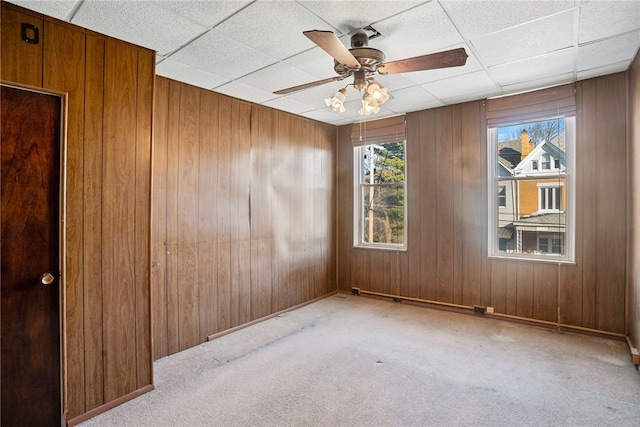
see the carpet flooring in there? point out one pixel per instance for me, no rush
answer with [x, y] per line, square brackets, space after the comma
[357, 361]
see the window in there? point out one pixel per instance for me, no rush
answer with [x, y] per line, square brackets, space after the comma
[533, 218]
[550, 244]
[502, 196]
[380, 195]
[549, 198]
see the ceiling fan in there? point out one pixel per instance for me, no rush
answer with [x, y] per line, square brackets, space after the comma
[362, 61]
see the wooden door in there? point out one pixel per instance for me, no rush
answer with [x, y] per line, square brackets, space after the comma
[30, 311]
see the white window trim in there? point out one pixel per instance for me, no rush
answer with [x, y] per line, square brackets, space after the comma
[492, 179]
[358, 223]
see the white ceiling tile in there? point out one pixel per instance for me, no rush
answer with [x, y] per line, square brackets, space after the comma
[205, 12]
[513, 45]
[56, 8]
[539, 83]
[609, 51]
[601, 19]
[273, 27]
[313, 61]
[238, 90]
[394, 82]
[347, 16]
[184, 73]
[604, 70]
[288, 104]
[144, 23]
[478, 82]
[325, 115]
[477, 18]
[545, 35]
[276, 77]
[216, 53]
[553, 64]
[410, 99]
[424, 29]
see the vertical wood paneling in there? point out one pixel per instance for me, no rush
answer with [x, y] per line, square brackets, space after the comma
[281, 195]
[589, 234]
[447, 259]
[144, 114]
[524, 290]
[119, 220]
[470, 214]
[159, 219]
[257, 191]
[545, 282]
[63, 64]
[106, 236]
[243, 141]
[444, 205]
[499, 280]
[172, 233]
[224, 214]
[611, 206]
[186, 244]
[344, 193]
[410, 260]
[457, 170]
[92, 219]
[428, 197]
[20, 62]
[208, 214]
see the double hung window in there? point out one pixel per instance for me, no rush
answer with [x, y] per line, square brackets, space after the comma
[531, 145]
[380, 184]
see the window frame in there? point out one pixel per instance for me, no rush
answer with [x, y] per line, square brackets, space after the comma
[493, 180]
[358, 214]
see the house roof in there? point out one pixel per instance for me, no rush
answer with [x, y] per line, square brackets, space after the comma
[545, 219]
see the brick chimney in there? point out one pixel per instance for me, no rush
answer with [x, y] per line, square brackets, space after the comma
[526, 146]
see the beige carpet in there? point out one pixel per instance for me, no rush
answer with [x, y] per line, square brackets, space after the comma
[357, 361]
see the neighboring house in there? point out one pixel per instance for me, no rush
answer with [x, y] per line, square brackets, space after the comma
[537, 223]
[507, 206]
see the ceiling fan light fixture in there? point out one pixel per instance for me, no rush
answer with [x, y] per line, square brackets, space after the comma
[336, 102]
[368, 109]
[376, 94]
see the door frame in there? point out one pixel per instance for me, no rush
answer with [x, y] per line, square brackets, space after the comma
[62, 212]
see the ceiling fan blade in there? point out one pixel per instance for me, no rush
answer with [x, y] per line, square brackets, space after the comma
[448, 58]
[308, 85]
[331, 44]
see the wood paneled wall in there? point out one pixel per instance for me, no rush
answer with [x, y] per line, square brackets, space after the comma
[447, 260]
[109, 87]
[243, 213]
[633, 297]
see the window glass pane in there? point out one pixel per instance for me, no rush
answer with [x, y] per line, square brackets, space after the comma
[383, 214]
[380, 212]
[530, 172]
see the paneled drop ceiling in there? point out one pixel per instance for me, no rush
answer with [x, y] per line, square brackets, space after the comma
[249, 49]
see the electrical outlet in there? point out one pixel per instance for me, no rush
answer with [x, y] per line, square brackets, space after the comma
[489, 310]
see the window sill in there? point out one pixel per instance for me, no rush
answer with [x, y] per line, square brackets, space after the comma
[534, 258]
[388, 248]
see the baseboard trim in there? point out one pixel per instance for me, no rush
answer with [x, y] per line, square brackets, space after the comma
[270, 316]
[110, 405]
[457, 308]
[635, 355]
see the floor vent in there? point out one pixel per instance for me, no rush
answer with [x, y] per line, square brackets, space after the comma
[341, 296]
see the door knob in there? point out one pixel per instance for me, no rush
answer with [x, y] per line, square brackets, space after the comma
[47, 279]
